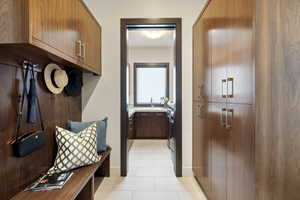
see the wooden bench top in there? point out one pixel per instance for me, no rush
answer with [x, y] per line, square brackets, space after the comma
[71, 189]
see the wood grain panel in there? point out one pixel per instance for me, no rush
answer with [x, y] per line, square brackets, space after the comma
[201, 60]
[13, 21]
[218, 26]
[240, 66]
[202, 125]
[219, 151]
[54, 27]
[17, 173]
[151, 125]
[277, 98]
[91, 39]
[240, 152]
[58, 31]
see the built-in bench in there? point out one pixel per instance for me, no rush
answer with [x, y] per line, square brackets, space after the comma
[79, 187]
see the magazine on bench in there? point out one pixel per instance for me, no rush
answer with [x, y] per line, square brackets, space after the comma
[50, 182]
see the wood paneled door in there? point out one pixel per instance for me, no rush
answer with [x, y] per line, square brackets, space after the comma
[240, 152]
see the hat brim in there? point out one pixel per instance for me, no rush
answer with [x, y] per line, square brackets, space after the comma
[48, 81]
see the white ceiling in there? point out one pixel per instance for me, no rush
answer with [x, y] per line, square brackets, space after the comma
[151, 38]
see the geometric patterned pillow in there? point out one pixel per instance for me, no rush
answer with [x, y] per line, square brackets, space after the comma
[75, 150]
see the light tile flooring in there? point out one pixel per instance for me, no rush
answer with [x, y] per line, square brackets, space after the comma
[150, 177]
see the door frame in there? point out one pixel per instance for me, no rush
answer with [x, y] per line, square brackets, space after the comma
[178, 63]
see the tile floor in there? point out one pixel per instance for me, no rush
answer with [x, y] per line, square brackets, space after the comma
[150, 177]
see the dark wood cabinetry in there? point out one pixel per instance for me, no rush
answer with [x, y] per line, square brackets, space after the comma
[223, 120]
[150, 125]
[63, 31]
[245, 137]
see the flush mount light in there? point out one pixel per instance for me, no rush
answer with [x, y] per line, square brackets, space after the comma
[154, 34]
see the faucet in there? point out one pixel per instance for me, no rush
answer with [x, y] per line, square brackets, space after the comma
[151, 102]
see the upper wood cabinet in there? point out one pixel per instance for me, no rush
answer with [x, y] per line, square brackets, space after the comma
[65, 30]
[88, 28]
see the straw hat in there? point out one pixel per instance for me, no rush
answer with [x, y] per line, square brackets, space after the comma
[55, 78]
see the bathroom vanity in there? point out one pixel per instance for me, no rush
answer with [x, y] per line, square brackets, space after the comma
[148, 123]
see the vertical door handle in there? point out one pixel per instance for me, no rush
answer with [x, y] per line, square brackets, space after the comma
[224, 88]
[78, 48]
[223, 117]
[202, 90]
[83, 50]
[229, 118]
[230, 87]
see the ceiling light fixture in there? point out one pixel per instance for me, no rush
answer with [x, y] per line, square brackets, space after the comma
[154, 34]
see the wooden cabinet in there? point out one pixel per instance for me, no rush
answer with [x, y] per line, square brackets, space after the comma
[224, 123]
[218, 156]
[51, 30]
[201, 62]
[202, 122]
[62, 31]
[240, 152]
[88, 28]
[218, 27]
[151, 125]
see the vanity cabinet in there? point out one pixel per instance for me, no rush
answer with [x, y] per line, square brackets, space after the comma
[63, 31]
[151, 125]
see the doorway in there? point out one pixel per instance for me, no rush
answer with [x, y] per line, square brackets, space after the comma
[152, 100]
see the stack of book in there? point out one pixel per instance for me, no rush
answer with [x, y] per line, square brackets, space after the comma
[50, 182]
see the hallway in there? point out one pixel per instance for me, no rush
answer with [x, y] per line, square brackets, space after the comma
[151, 176]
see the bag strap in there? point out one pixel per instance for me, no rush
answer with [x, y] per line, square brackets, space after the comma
[37, 99]
[24, 93]
[28, 68]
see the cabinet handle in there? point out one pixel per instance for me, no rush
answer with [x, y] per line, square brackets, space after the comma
[202, 90]
[229, 118]
[224, 88]
[83, 50]
[222, 119]
[230, 87]
[78, 48]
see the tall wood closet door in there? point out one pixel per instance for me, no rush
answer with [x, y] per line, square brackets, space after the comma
[240, 152]
[197, 67]
[240, 68]
[219, 146]
[202, 124]
[219, 48]
[201, 61]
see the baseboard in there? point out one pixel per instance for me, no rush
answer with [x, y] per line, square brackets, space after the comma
[115, 171]
[187, 172]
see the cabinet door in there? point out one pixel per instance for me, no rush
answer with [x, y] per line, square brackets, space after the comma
[151, 125]
[202, 124]
[53, 26]
[196, 61]
[240, 72]
[202, 58]
[219, 26]
[240, 154]
[219, 146]
[90, 37]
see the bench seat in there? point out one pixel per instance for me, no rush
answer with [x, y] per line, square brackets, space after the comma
[79, 187]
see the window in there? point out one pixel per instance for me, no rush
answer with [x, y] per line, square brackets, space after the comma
[151, 82]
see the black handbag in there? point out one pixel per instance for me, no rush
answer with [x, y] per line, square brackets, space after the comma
[30, 142]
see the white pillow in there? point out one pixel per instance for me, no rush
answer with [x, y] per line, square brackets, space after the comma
[75, 150]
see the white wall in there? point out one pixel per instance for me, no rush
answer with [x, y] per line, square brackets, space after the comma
[151, 55]
[101, 96]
